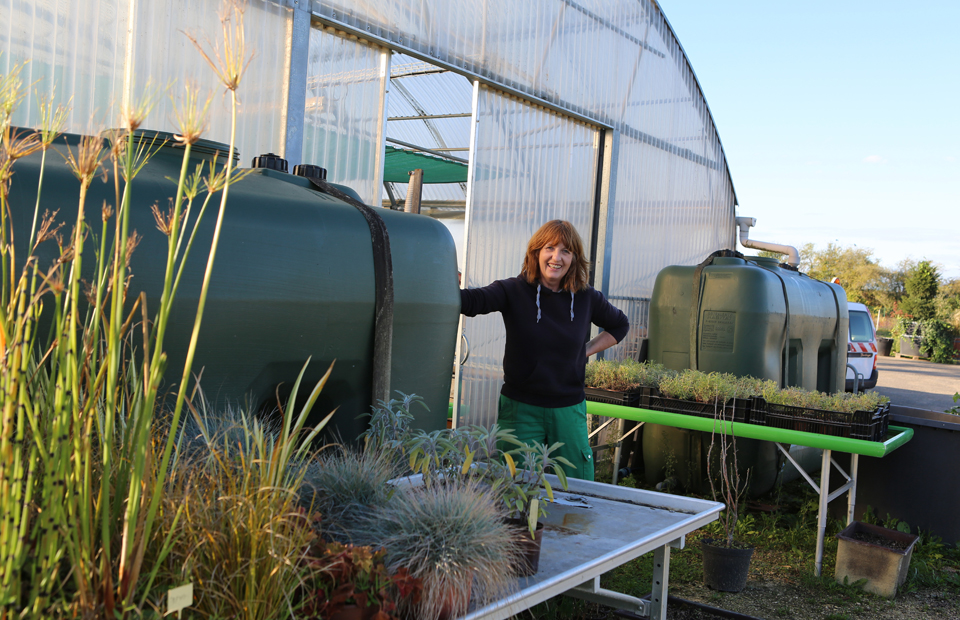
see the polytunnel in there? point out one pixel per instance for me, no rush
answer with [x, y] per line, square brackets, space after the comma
[584, 110]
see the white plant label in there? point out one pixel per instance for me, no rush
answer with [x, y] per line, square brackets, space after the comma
[179, 598]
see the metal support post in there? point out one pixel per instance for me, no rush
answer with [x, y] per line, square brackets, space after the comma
[852, 495]
[822, 514]
[661, 578]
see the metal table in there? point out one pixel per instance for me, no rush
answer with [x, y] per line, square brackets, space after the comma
[616, 525]
[897, 436]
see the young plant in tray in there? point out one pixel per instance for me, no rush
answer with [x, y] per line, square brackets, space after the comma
[624, 375]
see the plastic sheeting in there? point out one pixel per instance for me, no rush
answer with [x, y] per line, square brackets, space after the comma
[79, 53]
[342, 121]
[528, 166]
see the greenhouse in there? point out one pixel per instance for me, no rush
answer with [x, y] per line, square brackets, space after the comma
[516, 113]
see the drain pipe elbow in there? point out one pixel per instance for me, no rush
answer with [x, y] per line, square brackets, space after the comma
[745, 223]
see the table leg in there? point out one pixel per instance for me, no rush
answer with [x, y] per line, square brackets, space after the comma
[661, 578]
[852, 494]
[616, 452]
[822, 514]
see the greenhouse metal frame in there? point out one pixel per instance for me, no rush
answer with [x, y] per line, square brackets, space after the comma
[584, 110]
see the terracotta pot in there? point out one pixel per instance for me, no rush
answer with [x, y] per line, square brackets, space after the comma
[455, 602]
[529, 562]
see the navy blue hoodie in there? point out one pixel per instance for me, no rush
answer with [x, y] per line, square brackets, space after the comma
[546, 351]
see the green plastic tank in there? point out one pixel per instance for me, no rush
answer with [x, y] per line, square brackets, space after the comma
[745, 316]
[293, 278]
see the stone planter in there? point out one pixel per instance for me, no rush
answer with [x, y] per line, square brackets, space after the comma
[910, 346]
[877, 554]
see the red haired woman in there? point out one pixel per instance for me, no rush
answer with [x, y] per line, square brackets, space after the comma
[547, 312]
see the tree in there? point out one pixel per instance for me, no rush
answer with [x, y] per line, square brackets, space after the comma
[860, 274]
[948, 302]
[921, 288]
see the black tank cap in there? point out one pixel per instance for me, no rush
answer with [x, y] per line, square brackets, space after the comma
[271, 161]
[310, 170]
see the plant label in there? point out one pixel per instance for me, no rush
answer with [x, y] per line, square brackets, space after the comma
[179, 598]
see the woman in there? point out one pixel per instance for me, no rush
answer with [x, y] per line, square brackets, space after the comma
[547, 311]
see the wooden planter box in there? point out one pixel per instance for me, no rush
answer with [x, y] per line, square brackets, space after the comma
[884, 567]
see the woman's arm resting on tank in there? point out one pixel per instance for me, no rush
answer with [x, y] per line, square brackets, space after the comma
[490, 298]
[602, 342]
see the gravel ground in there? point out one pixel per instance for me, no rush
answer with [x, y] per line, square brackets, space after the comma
[774, 600]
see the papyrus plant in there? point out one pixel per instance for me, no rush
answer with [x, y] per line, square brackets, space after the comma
[80, 478]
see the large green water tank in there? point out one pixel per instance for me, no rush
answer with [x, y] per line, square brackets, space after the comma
[293, 278]
[746, 316]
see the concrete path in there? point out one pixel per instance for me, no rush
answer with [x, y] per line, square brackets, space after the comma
[918, 383]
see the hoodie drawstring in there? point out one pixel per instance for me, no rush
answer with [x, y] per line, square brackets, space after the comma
[538, 304]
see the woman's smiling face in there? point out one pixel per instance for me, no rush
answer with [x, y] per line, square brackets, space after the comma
[555, 261]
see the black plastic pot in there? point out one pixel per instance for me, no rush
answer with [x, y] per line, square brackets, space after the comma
[529, 561]
[725, 568]
[884, 346]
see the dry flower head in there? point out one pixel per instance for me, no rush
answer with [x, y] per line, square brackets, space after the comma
[52, 119]
[230, 61]
[85, 163]
[191, 115]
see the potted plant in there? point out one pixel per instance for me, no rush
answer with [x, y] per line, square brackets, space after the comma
[452, 537]
[348, 582]
[347, 485]
[726, 562]
[523, 487]
[517, 476]
[907, 334]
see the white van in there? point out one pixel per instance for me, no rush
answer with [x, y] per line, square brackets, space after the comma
[861, 347]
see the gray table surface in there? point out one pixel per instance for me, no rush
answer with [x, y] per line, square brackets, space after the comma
[580, 543]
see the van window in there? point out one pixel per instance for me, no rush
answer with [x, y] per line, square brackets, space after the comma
[861, 329]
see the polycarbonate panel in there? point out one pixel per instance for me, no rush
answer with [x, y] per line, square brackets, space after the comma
[529, 166]
[164, 56]
[618, 63]
[342, 121]
[79, 50]
[74, 53]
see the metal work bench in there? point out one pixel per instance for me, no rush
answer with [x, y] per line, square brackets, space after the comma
[592, 528]
[897, 436]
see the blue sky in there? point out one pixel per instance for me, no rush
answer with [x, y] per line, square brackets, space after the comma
[840, 121]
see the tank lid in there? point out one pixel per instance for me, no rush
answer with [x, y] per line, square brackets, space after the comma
[727, 260]
[765, 261]
[271, 161]
[310, 171]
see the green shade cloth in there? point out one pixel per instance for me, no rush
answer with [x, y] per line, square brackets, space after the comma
[398, 164]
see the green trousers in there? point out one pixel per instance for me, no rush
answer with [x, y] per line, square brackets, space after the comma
[548, 426]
